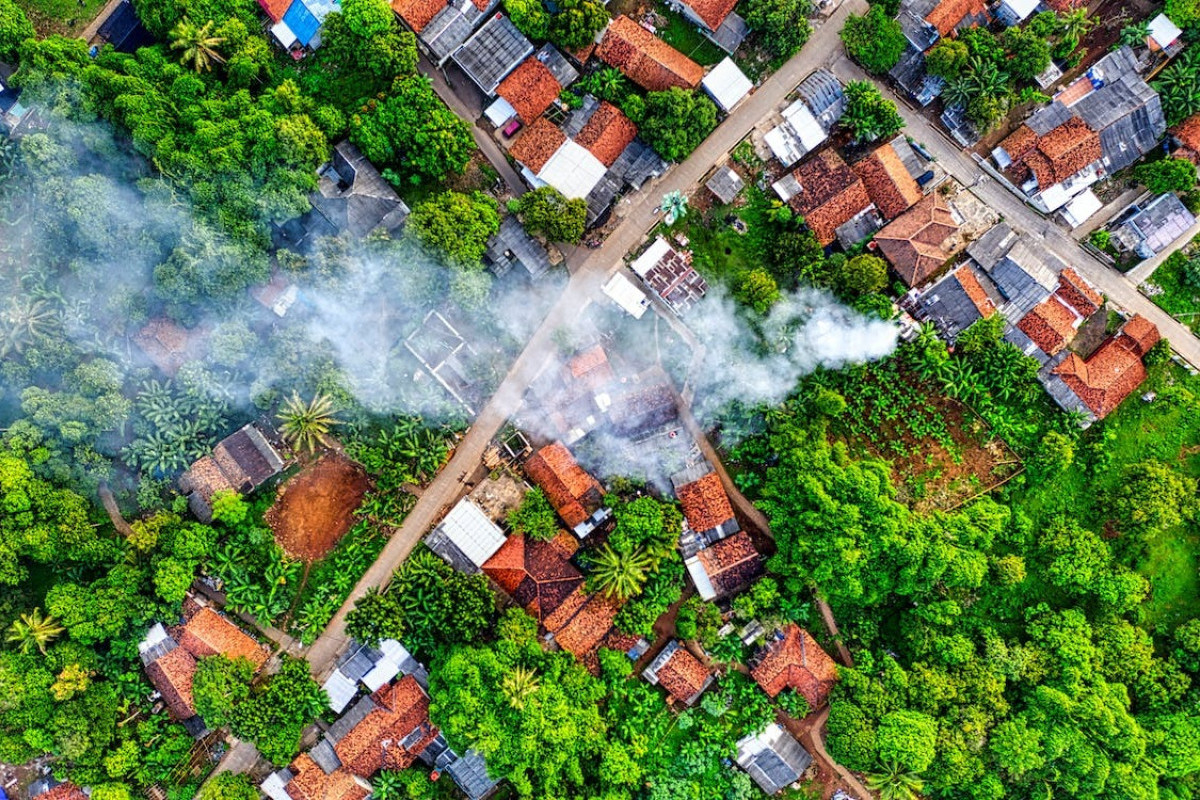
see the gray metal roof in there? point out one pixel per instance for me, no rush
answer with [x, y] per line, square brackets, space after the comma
[324, 756]
[994, 245]
[494, 51]
[773, 758]
[470, 774]
[1047, 119]
[1152, 229]
[725, 184]
[449, 28]
[512, 245]
[637, 164]
[358, 662]
[345, 723]
[730, 34]
[558, 65]
[864, 224]
[949, 307]
[825, 97]
[1060, 392]
[908, 157]
[919, 33]
[579, 117]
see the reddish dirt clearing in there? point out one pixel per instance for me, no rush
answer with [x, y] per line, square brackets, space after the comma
[316, 507]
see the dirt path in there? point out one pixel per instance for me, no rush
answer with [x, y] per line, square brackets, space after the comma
[114, 511]
[810, 732]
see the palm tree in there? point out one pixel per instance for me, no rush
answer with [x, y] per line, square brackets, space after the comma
[198, 44]
[674, 206]
[519, 685]
[21, 320]
[958, 92]
[1076, 23]
[620, 575]
[895, 783]
[34, 630]
[608, 83]
[305, 426]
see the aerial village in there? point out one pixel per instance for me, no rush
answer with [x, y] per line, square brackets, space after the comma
[724, 399]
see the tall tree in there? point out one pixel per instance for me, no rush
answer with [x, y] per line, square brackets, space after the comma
[305, 425]
[197, 45]
[34, 630]
[875, 40]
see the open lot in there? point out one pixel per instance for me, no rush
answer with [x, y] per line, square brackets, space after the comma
[316, 507]
[66, 17]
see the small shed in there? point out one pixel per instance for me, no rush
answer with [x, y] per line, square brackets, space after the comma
[627, 295]
[492, 52]
[466, 538]
[1163, 34]
[773, 758]
[726, 85]
[1080, 208]
[725, 184]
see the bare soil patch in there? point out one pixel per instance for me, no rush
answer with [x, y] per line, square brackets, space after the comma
[315, 508]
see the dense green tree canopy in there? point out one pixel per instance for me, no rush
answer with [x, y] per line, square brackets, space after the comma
[676, 121]
[546, 211]
[874, 40]
[1167, 175]
[457, 226]
[869, 114]
[15, 28]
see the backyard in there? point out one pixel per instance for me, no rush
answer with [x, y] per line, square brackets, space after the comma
[66, 17]
[1175, 286]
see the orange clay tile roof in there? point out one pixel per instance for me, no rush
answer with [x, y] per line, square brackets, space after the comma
[949, 13]
[275, 8]
[731, 563]
[1052, 158]
[1050, 324]
[1188, 132]
[831, 195]
[796, 662]
[172, 674]
[1105, 379]
[418, 13]
[918, 242]
[1139, 334]
[1064, 5]
[376, 742]
[1020, 142]
[713, 12]
[539, 141]
[971, 286]
[683, 676]
[607, 133]
[64, 791]
[1078, 293]
[645, 59]
[888, 182]
[530, 89]
[309, 782]
[574, 493]
[591, 368]
[536, 574]
[1075, 91]
[705, 503]
[209, 633]
[589, 625]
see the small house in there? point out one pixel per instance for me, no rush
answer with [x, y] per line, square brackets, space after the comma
[512, 246]
[807, 122]
[955, 303]
[826, 192]
[1164, 36]
[123, 30]
[1185, 137]
[643, 412]
[670, 275]
[241, 462]
[645, 59]
[492, 52]
[169, 345]
[890, 185]
[792, 659]
[297, 25]
[1014, 12]
[680, 673]
[576, 496]
[726, 567]
[1095, 386]
[717, 20]
[442, 26]
[1150, 229]
[372, 667]
[919, 242]
[532, 87]
[707, 512]
[726, 84]
[725, 184]
[465, 538]
[626, 295]
[1051, 324]
[773, 758]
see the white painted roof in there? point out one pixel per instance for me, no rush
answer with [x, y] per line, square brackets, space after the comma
[797, 136]
[626, 294]
[471, 532]
[273, 787]
[699, 577]
[1021, 8]
[384, 670]
[573, 170]
[284, 34]
[1081, 207]
[1163, 31]
[726, 84]
[647, 260]
[341, 691]
[500, 112]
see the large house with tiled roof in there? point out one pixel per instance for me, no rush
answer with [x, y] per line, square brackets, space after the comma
[1054, 166]
[1095, 386]
[645, 59]
[827, 193]
[532, 87]
[680, 673]
[725, 568]
[954, 303]
[889, 184]
[706, 507]
[535, 573]
[575, 494]
[792, 659]
[919, 242]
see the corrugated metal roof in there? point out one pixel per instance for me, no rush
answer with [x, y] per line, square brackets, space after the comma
[302, 22]
[494, 51]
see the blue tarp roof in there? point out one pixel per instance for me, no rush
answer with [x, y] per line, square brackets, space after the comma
[302, 22]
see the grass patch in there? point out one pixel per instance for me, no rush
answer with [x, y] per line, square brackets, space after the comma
[684, 37]
[66, 17]
[1175, 296]
[1172, 566]
[720, 252]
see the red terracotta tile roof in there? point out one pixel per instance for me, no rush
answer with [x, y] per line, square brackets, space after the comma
[1188, 132]
[591, 368]
[645, 59]
[1064, 5]
[574, 493]
[796, 662]
[705, 503]
[536, 574]
[418, 13]
[1020, 142]
[832, 194]
[1052, 158]
[683, 676]
[588, 626]
[888, 182]
[530, 89]
[1105, 379]
[731, 563]
[1075, 91]
[376, 742]
[607, 133]
[971, 286]
[539, 141]
[275, 8]
[1139, 334]
[309, 782]
[949, 13]
[64, 791]
[209, 633]
[713, 12]
[1078, 293]
[1050, 324]
[172, 674]
[920, 241]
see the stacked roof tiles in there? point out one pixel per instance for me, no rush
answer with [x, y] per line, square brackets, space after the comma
[888, 182]
[921, 240]
[607, 133]
[826, 192]
[794, 660]
[645, 59]
[536, 574]
[574, 493]
[726, 567]
[705, 504]
[1112, 373]
[530, 89]
[680, 673]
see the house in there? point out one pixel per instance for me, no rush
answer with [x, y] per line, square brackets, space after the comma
[919, 242]
[1054, 166]
[584, 624]
[1051, 324]
[169, 345]
[1023, 274]
[792, 659]
[645, 59]
[772, 758]
[59, 791]
[717, 20]
[670, 275]
[910, 75]
[297, 25]
[1097, 385]
[1080, 208]
[955, 303]
[726, 567]
[947, 16]
[726, 84]
[680, 673]
[492, 52]
[725, 184]
[1014, 12]
[277, 296]
[465, 538]
[573, 397]
[352, 198]
[643, 412]
[170, 657]
[371, 667]
[536, 574]
[304, 779]
[626, 295]
[532, 87]
[13, 115]
[826, 192]
[1164, 36]
[1149, 229]
[442, 351]
[807, 122]
[442, 26]
[577, 497]
[706, 508]
[241, 462]
[590, 369]
[391, 734]
[512, 246]
[889, 184]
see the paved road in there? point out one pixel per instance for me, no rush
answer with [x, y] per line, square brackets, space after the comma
[590, 268]
[1118, 288]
